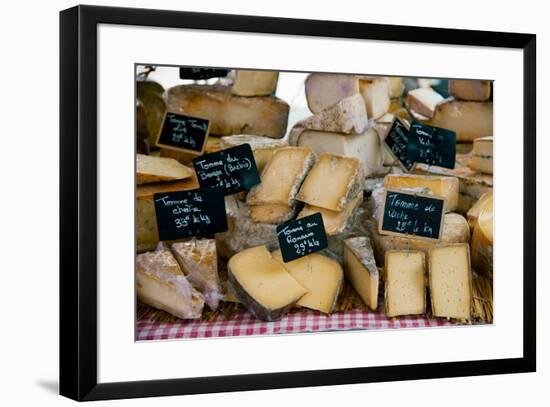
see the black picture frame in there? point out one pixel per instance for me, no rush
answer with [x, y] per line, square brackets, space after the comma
[78, 196]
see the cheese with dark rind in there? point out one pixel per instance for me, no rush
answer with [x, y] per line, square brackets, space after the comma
[470, 120]
[405, 289]
[360, 269]
[469, 89]
[262, 284]
[254, 83]
[348, 116]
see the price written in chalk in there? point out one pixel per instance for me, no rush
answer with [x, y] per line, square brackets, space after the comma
[301, 237]
[431, 145]
[408, 214]
[233, 169]
[190, 213]
[183, 133]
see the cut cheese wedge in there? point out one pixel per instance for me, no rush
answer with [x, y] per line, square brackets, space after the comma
[467, 89]
[272, 214]
[348, 116]
[423, 101]
[450, 281]
[254, 83]
[262, 147]
[262, 284]
[470, 120]
[405, 292]
[321, 276]
[324, 90]
[376, 94]
[482, 240]
[360, 269]
[154, 169]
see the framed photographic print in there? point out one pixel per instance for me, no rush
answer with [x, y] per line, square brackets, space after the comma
[257, 202]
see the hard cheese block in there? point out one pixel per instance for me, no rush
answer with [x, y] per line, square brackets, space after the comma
[467, 89]
[396, 86]
[482, 155]
[324, 90]
[445, 187]
[474, 211]
[376, 94]
[470, 120]
[321, 276]
[254, 83]
[230, 114]
[348, 116]
[482, 240]
[282, 177]
[262, 284]
[405, 291]
[423, 101]
[160, 283]
[450, 281]
[360, 269]
[154, 169]
[262, 147]
[332, 182]
[147, 236]
[199, 262]
[366, 146]
[273, 214]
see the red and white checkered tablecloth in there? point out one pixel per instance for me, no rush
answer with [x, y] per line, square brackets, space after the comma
[244, 324]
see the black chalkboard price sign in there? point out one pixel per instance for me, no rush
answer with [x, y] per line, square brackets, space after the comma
[431, 145]
[195, 212]
[202, 73]
[397, 141]
[301, 237]
[412, 215]
[233, 169]
[183, 133]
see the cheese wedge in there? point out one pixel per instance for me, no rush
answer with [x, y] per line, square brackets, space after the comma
[282, 177]
[160, 283]
[470, 120]
[321, 276]
[154, 169]
[230, 114]
[360, 269]
[482, 155]
[482, 240]
[396, 86]
[199, 262]
[254, 83]
[467, 89]
[262, 147]
[332, 182]
[450, 281]
[273, 214]
[262, 284]
[324, 90]
[423, 101]
[376, 94]
[445, 187]
[405, 291]
[347, 116]
[473, 212]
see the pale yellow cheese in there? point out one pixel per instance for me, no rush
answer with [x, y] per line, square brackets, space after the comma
[376, 94]
[470, 120]
[360, 269]
[154, 169]
[482, 240]
[262, 284]
[262, 147]
[405, 291]
[325, 89]
[348, 116]
[468, 89]
[396, 86]
[482, 155]
[321, 276]
[272, 214]
[332, 182]
[334, 222]
[254, 83]
[473, 212]
[282, 177]
[423, 101]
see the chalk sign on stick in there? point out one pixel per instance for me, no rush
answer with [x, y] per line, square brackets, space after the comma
[202, 73]
[233, 169]
[181, 132]
[431, 145]
[412, 215]
[196, 212]
[301, 237]
[396, 142]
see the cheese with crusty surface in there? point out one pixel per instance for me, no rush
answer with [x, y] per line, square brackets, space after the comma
[376, 94]
[482, 240]
[482, 155]
[334, 222]
[405, 291]
[254, 83]
[469, 89]
[262, 147]
[360, 269]
[347, 116]
[160, 283]
[332, 182]
[230, 114]
[282, 177]
[325, 89]
[321, 276]
[154, 169]
[423, 101]
[272, 213]
[262, 284]
[450, 281]
[470, 120]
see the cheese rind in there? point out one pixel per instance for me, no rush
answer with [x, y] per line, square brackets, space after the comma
[376, 95]
[360, 269]
[160, 283]
[321, 276]
[423, 101]
[348, 116]
[473, 90]
[482, 240]
[262, 147]
[254, 83]
[199, 262]
[324, 90]
[482, 155]
[151, 169]
[230, 114]
[470, 120]
[282, 177]
[396, 86]
[405, 290]
[334, 222]
[262, 284]
[450, 281]
[272, 214]
[473, 212]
